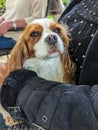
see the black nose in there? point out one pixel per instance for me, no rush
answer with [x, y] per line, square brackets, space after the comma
[51, 39]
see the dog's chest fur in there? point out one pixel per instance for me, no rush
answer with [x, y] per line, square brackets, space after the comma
[50, 69]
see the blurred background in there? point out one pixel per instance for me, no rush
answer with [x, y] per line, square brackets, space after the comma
[2, 5]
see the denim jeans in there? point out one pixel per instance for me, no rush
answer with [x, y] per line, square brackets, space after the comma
[2, 124]
[6, 42]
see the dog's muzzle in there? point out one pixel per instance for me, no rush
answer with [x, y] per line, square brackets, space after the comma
[51, 39]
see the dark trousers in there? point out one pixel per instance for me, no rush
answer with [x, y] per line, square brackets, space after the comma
[6, 44]
[2, 124]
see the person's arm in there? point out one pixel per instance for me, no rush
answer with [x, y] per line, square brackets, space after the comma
[7, 25]
[19, 23]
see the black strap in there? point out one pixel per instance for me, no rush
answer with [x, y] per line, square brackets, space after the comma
[16, 113]
[17, 29]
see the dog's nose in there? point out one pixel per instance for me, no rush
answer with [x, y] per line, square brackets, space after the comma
[51, 39]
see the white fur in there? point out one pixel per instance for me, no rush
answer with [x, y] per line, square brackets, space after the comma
[44, 22]
[50, 69]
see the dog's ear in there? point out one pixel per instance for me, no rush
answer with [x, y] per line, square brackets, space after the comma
[17, 56]
[65, 34]
[15, 61]
[21, 51]
[2, 70]
[68, 68]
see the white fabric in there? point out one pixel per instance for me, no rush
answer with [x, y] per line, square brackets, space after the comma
[28, 9]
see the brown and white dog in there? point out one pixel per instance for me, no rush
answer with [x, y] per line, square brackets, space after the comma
[50, 59]
[43, 48]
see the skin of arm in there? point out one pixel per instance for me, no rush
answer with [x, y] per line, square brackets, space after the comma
[7, 25]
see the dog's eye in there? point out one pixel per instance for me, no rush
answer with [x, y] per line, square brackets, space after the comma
[35, 34]
[57, 30]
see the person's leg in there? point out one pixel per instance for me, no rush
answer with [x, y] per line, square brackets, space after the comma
[2, 124]
[6, 44]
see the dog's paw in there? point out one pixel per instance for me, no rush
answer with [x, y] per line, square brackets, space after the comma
[9, 121]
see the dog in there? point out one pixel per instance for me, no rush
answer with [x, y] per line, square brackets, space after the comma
[50, 58]
[43, 48]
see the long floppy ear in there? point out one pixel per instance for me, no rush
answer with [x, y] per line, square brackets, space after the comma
[17, 56]
[21, 51]
[2, 69]
[68, 68]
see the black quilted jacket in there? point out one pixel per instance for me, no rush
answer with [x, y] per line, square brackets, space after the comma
[50, 105]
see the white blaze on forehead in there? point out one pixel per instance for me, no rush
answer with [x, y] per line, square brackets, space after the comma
[45, 23]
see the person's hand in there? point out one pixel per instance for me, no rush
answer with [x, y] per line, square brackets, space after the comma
[4, 27]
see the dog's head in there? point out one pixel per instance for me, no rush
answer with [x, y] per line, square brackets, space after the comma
[42, 38]
[48, 39]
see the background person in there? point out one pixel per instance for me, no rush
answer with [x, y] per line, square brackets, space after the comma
[20, 13]
[82, 18]
[56, 8]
